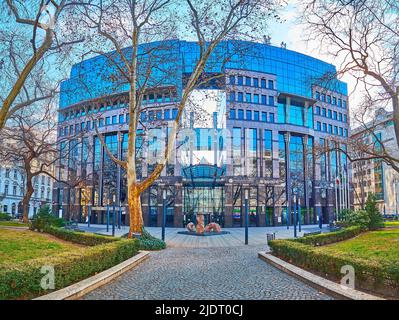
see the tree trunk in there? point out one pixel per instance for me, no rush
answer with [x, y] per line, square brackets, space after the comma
[26, 200]
[135, 212]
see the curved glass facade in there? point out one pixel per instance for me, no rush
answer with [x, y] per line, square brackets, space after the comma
[251, 131]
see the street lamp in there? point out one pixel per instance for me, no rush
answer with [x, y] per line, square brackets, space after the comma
[299, 214]
[295, 214]
[246, 194]
[113, 215]
[163, 213]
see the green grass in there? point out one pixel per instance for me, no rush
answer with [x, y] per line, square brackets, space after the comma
[382, 246]
[21, 245]
[13, 224]
[391, 224]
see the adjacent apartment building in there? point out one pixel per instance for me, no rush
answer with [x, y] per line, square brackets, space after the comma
[254, 140]
[375, 176]
[12, 190]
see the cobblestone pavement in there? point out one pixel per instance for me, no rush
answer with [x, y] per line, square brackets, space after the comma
[206, 273]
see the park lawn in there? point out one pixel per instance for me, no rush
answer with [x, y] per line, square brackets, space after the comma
[17, 246]
[12, 224]
[391, 224]
[381, 246]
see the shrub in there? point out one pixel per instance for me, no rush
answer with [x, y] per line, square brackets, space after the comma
[369, 274]
[149, 242]
[4, 217]
[87, 239]
[44, 218]
[375, 217]
[330, 237]
[23, 280]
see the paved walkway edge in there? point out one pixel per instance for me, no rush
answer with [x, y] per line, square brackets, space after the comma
[83, 287]
[327, 286]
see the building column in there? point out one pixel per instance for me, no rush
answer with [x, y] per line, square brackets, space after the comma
[228, 205]
[178, 212]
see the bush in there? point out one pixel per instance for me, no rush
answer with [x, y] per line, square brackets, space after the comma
[375, 217]
[4, 217]
[87, 239]
[23, 280]
[370, 275]
[149, 242]
[44, 218]
[330, 237]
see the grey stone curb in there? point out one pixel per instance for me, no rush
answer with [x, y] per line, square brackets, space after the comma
[83, 287]
[322, 284]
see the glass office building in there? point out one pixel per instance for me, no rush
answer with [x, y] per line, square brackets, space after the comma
[249, 134]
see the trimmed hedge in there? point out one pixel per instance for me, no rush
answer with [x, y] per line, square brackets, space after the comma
[305, 253]
[22, 281]
[4, 216]
[87, 239]
[330, 237]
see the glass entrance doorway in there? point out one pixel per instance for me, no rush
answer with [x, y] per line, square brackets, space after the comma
[204, 200]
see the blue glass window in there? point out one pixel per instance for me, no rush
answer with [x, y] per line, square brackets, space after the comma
[318, 126]
[240, 80]
[264, 116]
[143, 117]
[329, 128]
[167, 114]
[328, 99]
[344, 104]
[240, 97]
[127, 117]
[101, 122]
[345, 118]
[240, 114]
[271, 101]
[317, 95]
[248, 115]
[340, 116]
[323, 97]
[263, 99]
[232, 113]
[296, 115]
[324, 112]
[256, 98]
[334, 101]
[271, 115]
[256, 82]
[324, 127]
[339, 103]
[232, 96]
[317, 110]
[335, 115]
[107, 121]
[248, 81]
[174, 113]
[114, 120]
[345, 132]
[263, 83]
[329, 113]
[270, 84]
[341, 131]
[121, 118]
[232, 80]
[151, 115]
[256, 115]
[248, 97]
[335, 130]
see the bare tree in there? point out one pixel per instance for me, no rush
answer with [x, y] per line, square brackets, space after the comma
[29, 141]
[135, 24]
[28, 33]
[364, 34]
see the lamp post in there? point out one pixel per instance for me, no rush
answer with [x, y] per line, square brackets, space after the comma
[295, 215]
[113, 216]
[163, 214]
[88, 215]
[299, 215]
[107, 217]
[246, 194]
